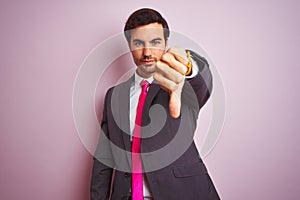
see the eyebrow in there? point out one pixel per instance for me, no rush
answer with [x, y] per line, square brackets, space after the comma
[156, 39]
[138, 40]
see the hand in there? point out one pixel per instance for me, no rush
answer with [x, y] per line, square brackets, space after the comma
[169, 74]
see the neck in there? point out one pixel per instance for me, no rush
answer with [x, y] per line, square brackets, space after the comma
[146, 76]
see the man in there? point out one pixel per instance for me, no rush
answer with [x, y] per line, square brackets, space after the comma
[146, 148]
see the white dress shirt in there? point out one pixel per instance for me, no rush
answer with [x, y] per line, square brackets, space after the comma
[135, 91]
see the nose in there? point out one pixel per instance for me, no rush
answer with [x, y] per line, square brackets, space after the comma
[146, 51]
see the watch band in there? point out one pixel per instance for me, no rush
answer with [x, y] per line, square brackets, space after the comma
[189, 66]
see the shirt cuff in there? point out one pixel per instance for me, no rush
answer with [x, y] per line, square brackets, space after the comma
[195, 69]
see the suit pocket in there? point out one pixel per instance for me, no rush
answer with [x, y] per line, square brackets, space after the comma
[191, 169]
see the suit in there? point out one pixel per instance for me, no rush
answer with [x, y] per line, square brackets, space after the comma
[171, 161]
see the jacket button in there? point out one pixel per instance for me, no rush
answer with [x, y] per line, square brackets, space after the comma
[126, 174]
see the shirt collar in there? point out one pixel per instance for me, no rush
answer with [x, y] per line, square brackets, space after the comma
[138, 79]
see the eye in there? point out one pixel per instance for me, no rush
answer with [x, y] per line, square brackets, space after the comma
[156, 42]
[138, 43]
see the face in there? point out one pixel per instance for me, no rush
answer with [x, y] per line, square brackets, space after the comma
[147, 45]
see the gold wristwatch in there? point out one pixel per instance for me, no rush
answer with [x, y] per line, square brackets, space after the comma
[189, 66]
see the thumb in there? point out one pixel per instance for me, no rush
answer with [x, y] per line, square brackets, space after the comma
[174, 105]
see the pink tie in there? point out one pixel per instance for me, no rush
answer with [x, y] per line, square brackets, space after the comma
[137, 169]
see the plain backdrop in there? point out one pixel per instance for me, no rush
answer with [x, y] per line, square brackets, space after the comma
[254, 45]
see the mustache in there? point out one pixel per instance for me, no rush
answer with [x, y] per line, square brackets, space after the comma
[148, 58]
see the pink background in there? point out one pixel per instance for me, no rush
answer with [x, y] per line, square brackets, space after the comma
[254, 45]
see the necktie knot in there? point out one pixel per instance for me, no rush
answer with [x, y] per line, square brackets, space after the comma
[144, 84]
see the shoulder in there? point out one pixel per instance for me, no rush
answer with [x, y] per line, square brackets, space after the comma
[118, 91]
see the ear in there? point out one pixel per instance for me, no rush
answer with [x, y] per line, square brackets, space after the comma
[166, 44]
[129, 46]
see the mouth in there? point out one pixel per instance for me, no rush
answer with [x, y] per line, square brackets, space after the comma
[148, 61]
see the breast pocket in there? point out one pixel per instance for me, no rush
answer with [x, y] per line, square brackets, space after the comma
[191, 169]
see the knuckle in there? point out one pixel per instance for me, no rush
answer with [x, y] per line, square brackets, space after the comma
[166, 57]
[183, 69]
[173, 87]
[159, 65]
[179, 79]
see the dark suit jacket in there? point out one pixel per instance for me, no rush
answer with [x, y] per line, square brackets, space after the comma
[173, 167]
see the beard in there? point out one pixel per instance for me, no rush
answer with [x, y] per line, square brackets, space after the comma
[148, 60]
[146, 66]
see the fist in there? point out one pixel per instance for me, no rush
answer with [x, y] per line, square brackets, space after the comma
[169, 74]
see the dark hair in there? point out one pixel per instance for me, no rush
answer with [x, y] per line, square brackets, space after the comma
[142, 17]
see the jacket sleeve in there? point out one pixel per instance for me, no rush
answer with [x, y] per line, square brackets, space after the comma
[198, 88]
[103, 162]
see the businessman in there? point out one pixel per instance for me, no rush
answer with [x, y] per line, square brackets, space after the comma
[146, 148]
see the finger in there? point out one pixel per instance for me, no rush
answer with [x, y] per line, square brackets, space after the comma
[168, 72]
[179, 54]
[165, 83]
[171, 60]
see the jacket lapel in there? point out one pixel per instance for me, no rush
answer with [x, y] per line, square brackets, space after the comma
[153, 89]
[124, 110]
[124, 114]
